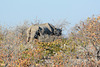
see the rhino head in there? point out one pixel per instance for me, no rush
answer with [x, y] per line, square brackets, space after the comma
[58, 31]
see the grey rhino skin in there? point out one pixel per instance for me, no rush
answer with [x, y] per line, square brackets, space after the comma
[35, 31]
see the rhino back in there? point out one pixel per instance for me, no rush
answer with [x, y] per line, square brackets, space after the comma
[47, 28]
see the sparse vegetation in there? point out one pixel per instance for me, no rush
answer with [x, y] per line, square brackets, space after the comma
[80, 49]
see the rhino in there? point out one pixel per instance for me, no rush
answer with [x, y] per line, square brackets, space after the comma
[35, 31]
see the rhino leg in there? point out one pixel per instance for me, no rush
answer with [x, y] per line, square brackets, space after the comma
[28, 39]
[32, 37]
[28, 34]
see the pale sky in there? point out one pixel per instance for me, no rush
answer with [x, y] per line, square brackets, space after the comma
[15, 12]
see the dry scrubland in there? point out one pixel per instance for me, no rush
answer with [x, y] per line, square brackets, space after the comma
[80, 49]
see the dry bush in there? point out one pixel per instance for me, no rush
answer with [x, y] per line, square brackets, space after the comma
[81, 49]
[13, 38]
[1, 34]
[21, 29]
[87, 36]
[48, 38]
